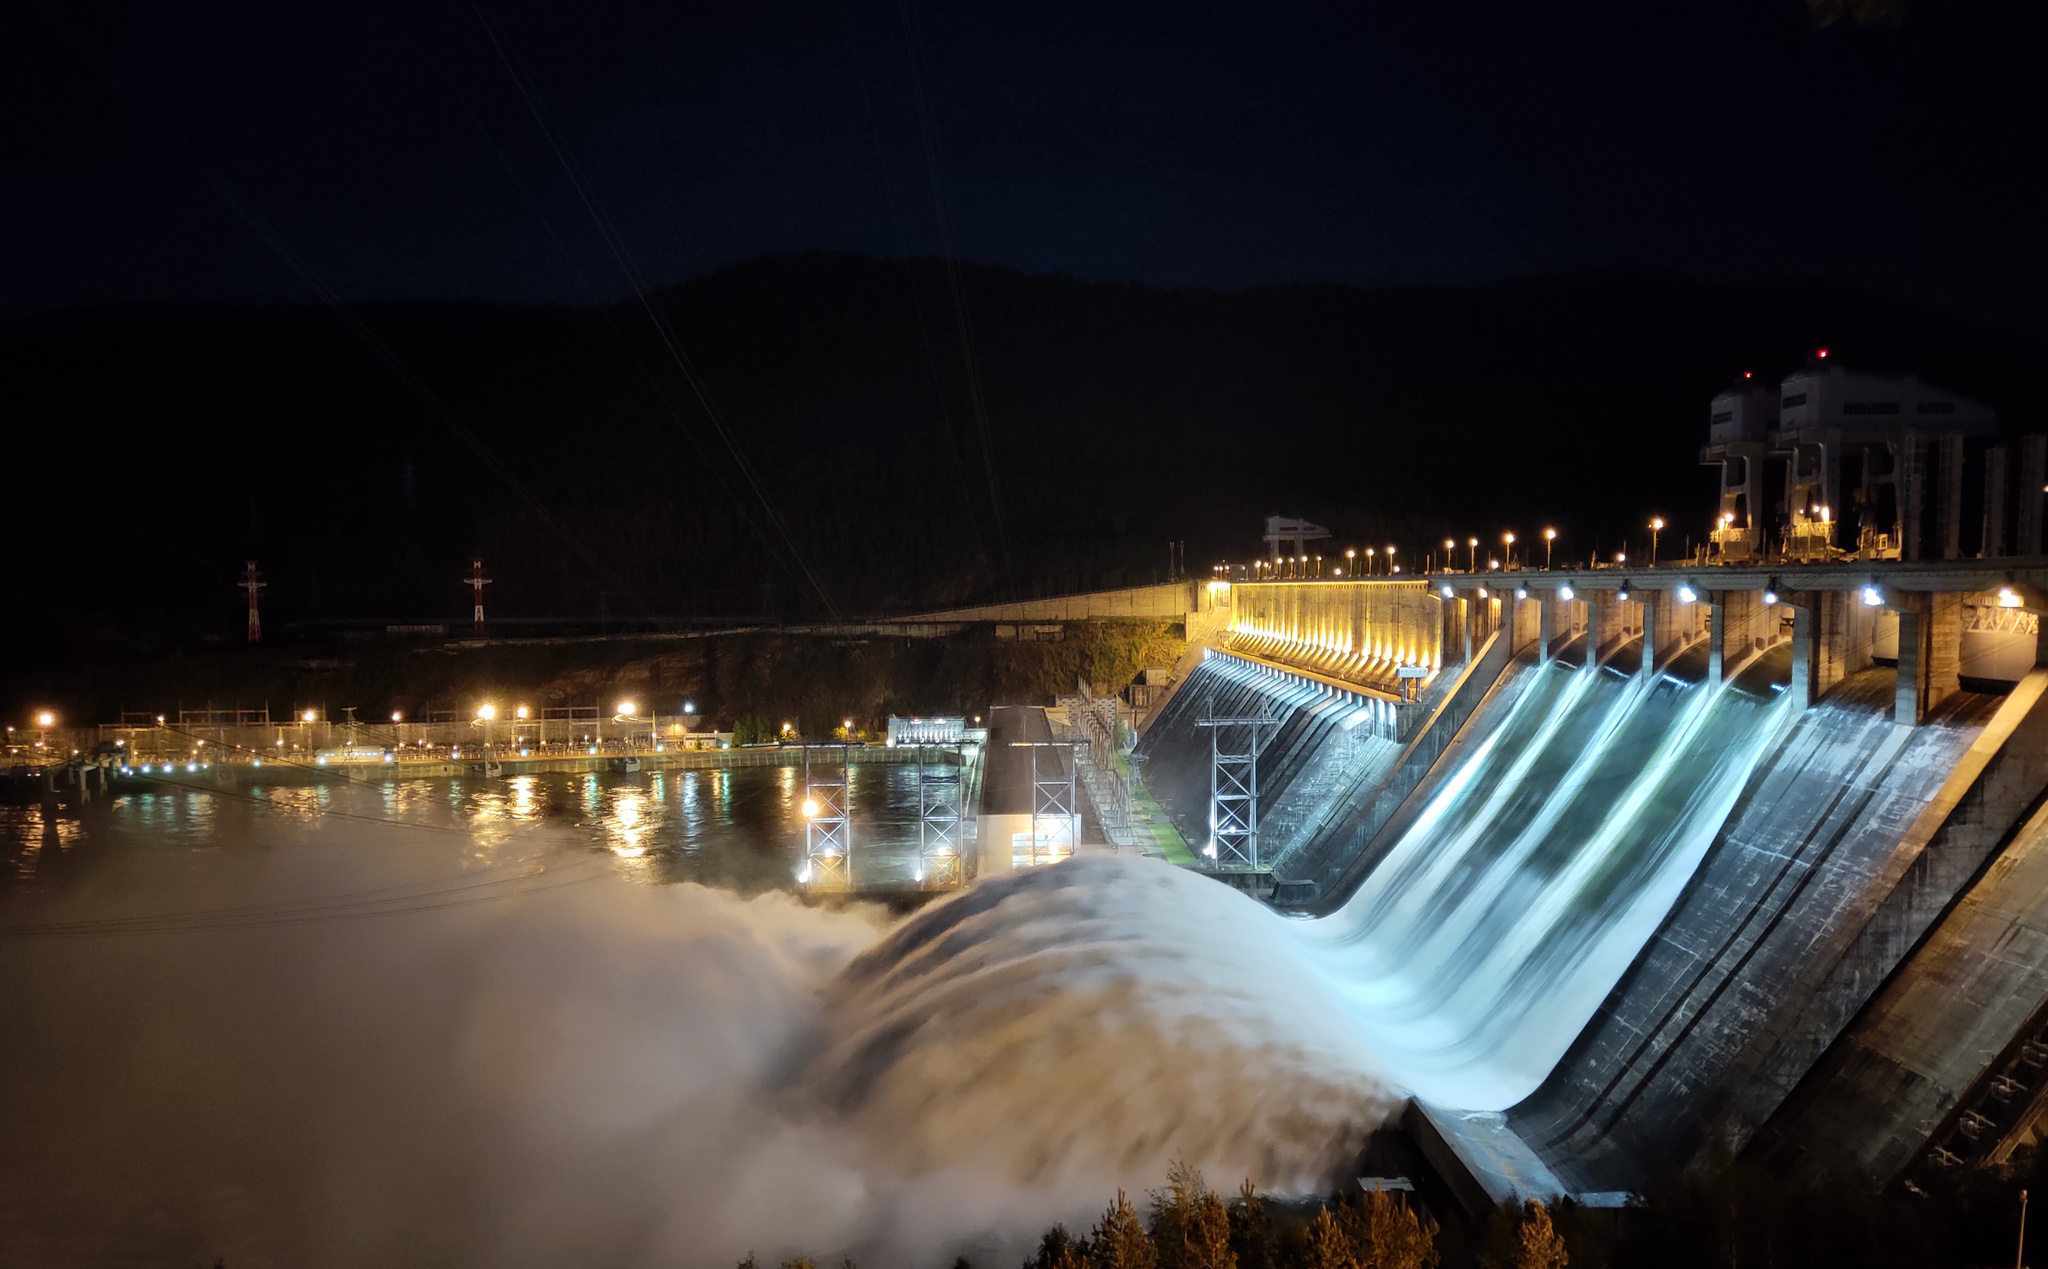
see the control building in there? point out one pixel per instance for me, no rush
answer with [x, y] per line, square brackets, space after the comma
[1832, 461]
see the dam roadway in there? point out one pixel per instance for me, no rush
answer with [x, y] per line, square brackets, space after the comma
[1748, 835]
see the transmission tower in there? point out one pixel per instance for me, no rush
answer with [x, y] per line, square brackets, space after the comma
[252, 583]
[476, 581]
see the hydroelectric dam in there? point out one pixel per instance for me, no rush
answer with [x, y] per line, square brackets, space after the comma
[1633, 870]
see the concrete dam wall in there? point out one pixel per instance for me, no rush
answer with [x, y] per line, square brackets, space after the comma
[1653, 900]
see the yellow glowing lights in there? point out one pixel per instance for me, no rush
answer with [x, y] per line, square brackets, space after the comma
[487, 712]
[521, 712]
[46, 719]
[625, 709]
[306, 717]
[810, 808]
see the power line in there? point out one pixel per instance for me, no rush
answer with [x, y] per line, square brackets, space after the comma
[924, 333]
[961, 324]
[616, 246]
[297, 264]
[598, 305]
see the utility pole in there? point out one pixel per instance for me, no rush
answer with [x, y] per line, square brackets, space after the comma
[251, 584]
[476, 581]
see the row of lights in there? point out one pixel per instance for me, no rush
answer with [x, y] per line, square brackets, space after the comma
[1871, 594]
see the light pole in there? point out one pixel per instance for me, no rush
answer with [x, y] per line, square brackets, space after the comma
[1351, 559]
[1549, 540]
[1449, 564]
[1656, 523]
[1508, 548]
[1368, 561]
[1391, 570]
[1472, 558]
[2019, 1260]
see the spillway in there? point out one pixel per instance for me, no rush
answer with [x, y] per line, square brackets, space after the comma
[1629, 915]
[1483, 940]
[1486, 938]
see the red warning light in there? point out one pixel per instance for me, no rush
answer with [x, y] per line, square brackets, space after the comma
[1745, 374]
[1823, 353]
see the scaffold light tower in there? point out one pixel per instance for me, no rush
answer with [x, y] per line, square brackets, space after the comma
[1055, 814]
[1234, 744]
[252, 582]
[476, 581]
[828, 823]
[938, 819]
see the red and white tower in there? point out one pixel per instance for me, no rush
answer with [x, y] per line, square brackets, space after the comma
[476, 581]
[251, 584]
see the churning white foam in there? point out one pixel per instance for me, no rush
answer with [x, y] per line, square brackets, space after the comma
[631, 1075]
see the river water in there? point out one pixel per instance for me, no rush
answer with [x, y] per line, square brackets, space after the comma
[741, 830]
[581, 1019]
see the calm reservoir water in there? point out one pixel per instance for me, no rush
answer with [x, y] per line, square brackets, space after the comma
[740, 829]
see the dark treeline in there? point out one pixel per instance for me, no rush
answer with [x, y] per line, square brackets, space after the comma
[1737, 1217]
[169, 444]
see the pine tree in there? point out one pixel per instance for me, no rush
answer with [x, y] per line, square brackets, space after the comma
[1387, 1234]
[1327, 1244]
[1190, 1224]
[1207, 1234]
[1251, 1229]
[1059, 1250]
[1119, 1241]
[1539, 1245]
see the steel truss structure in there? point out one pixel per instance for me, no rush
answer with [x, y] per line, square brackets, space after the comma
[940, 800]
[1234, 744]
[1055, 812]
[828, 823]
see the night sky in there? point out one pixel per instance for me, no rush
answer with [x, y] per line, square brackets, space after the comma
[391, 148]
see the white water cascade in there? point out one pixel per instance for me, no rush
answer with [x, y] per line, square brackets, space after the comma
[1460, 971]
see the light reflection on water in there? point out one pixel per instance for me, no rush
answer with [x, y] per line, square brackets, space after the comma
[740, 829]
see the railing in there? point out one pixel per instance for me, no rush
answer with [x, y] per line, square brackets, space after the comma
[1092, 721]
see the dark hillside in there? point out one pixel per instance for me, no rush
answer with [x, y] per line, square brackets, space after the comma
[184, 441]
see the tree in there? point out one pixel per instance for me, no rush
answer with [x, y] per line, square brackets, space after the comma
[1190, 1224]
[1251, 1229]
[1388, 1234]
[1327, 1244]
[1119, 1241]
[1059, 1250]
[1538, 1245]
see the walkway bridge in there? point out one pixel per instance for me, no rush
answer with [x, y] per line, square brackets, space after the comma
[1848, 963]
